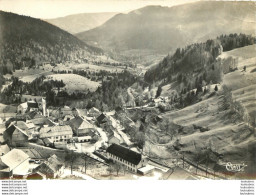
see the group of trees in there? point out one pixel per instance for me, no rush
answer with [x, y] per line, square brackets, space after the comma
[112, 93]
[233, 41]
[196, 65]
[38, 87]
[191, 59]
[237, 110]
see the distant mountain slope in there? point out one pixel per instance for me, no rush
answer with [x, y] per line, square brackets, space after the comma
[197, 59]
[81, 22]
[26, 41]
[163, 29]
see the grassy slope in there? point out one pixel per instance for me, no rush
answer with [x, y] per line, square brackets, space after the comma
[231, 139]
[75, 82]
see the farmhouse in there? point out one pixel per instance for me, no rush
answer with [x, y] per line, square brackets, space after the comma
[80, 126]
[15, 162]
[126, 157]
[51, 168]
[56, 133]
[103, 120]
[15, 136]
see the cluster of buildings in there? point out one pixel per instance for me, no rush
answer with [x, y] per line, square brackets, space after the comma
[30, 139]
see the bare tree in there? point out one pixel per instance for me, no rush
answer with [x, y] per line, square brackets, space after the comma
[69, 159]
[114, 167]
[86, 161]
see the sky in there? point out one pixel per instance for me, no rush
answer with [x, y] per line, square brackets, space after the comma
[46, 9]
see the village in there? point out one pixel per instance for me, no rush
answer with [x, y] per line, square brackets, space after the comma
[70, 143]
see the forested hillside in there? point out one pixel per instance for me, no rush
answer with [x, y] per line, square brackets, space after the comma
[28, 42]
[197, 63]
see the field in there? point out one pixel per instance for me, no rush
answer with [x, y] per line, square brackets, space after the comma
[75, 82]
[243, 83]
[96, 68]
[7, 111]
[28, 75]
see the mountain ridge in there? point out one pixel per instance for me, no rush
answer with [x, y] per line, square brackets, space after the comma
[163, 29]
[77, 23]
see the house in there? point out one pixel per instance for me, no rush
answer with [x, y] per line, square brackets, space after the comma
[68, 117]
[15, 162]
[157, 101]
[15, 136]
[33, 115]
[42, 121]
[51, 168]
[22, 108]
[27, 127]
[31, 106]
[80, 112]
[94, 112]
[126, 157]
[27, 107]
[83, 139]
[66, 111]
[80, 126]
[102, 119]
[56, 133]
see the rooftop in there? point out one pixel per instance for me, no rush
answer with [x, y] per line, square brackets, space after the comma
[14, 158]
[32, 104]
[32, 153]
[55, 131]
[124, 153]
[79, 123]
[51, 166]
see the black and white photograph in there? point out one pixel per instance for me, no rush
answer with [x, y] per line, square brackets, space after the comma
[127, 90]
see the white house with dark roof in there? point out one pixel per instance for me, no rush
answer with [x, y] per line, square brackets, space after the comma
[80, 126]
[15, 162]
[30, 106]
[126, 157]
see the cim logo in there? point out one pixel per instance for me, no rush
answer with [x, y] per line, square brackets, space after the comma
[235, 167]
